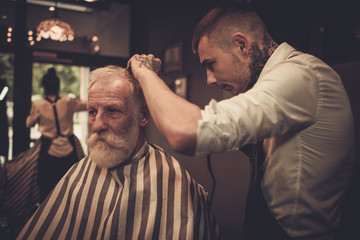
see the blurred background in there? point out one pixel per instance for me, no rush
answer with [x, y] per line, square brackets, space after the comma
[110, 31]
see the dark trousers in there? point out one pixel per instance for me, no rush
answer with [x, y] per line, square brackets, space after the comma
[52, 169]
[259, 223]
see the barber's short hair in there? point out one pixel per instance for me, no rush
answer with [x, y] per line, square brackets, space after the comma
[220, 23]
[112, 71]
[50, 82]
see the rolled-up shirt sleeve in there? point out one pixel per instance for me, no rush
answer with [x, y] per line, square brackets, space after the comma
[216, 130]
[274, 106]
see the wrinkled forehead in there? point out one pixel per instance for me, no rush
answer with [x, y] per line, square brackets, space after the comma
[106, 73]
[112, 84]
[114, 88]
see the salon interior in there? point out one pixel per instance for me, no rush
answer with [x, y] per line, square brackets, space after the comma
[111, 31]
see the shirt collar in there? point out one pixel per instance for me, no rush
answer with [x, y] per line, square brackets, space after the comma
[140, 154]
[282, 52]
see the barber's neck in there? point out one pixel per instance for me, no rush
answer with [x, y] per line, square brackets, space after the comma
[269, 45]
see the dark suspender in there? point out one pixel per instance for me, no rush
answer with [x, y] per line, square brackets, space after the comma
[46, 160]
[53, 103]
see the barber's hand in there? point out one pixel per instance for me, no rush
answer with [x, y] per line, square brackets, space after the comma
[140, 64]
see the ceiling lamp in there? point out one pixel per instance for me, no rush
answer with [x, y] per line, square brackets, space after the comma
[55, 29]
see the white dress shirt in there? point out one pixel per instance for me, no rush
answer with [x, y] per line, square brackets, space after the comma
[300, 108]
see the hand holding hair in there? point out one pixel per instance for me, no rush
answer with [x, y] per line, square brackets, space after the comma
[140, 63]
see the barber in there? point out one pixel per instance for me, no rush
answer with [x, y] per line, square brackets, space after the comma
[291, 105]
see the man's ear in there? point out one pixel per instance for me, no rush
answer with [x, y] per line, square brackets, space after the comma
[240, 43]
[144, 115]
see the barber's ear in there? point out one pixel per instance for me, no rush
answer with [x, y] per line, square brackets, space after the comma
[144, 115]
[240, 43]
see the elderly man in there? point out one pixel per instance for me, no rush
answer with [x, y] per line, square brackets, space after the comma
[126, 188]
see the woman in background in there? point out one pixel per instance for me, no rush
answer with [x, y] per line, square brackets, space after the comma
[29, 177]
[60, 148]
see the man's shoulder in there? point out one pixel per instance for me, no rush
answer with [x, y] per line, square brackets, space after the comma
[157, 148]
[162, 152]
[172, 163]
[83, 162]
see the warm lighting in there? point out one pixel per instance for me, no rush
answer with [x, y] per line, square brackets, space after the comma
[94, 38]
[31, 38]
[94, 44]
[55, 29]
[9, 35]
[96, 48]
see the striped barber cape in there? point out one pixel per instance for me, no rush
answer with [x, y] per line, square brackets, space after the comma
[152, 197]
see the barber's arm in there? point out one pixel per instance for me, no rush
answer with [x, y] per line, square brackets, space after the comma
[176, 118]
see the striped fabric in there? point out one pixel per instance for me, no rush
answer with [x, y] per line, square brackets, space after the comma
[20, 192]
[19, 188]
[153, 197]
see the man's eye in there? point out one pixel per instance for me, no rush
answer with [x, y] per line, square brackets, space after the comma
[210, 66]
[92, 113]
[113, 112]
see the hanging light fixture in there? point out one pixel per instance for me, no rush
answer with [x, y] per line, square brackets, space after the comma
[55, 29]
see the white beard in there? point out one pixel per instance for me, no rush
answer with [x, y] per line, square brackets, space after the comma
[108, 150]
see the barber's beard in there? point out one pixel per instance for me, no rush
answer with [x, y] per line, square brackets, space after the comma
[108, 150]
[240, 75]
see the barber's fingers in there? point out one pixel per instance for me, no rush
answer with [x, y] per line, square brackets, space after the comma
[147, 61]
[150, 58]
[128, 67]
[154, 62]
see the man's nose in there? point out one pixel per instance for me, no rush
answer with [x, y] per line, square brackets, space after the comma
[99, 124]
[211, 80]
